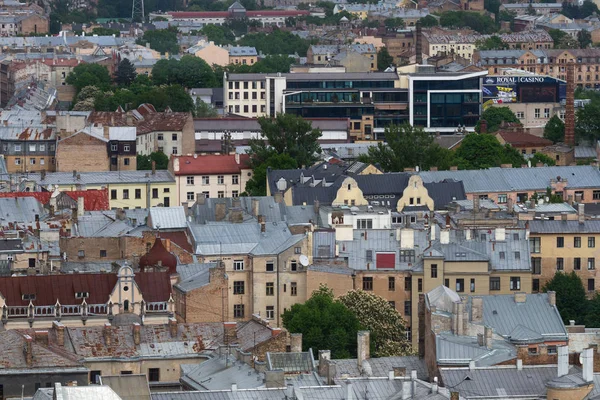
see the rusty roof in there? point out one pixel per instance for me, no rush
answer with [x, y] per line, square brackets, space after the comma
[170, 122]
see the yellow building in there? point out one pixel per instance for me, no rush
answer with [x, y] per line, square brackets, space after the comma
[126, 189]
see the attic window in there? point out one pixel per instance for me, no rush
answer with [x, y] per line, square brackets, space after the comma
[28, 297]
[82, 295]
[460, 254]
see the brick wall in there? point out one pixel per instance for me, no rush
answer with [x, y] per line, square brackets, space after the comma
[82, 153]
[204, 304]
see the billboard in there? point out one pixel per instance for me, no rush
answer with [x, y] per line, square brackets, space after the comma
[522, 89]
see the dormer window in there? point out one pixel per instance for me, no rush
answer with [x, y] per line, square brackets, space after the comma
[82, 295]
[28, 297]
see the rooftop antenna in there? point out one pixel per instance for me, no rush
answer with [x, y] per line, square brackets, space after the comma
[137, 11]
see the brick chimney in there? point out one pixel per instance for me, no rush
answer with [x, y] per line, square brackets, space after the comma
[27, 350]
[570, 106]
[364, 349]
[137, 333]
[107, 333]
[230, 332]
[296, 342]
[60, 332]
[552, 298]
[173, 327]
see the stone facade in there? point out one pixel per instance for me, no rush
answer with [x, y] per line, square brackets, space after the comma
[83, 153]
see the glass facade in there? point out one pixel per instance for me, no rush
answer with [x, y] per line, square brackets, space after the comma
[338, 84]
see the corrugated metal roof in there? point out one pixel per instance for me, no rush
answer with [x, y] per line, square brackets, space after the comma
[100, 178]
[122, 133]
[381, 366]
[168, 218]
[291, 362]
[460, 350]
[556, 226]
[442, 298]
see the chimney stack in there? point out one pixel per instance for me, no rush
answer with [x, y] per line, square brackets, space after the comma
[587, 362]
[153, 167]
[419, 44]
[552, 298]
[60, 332]
[220, 211]
[483, 126]
[364, 348]
[296, 342]
[581, 213]
[476, 204]
[80, 206]
[230, 332]
[200, 198]
[28, 350]
[107, 333]
[137, 333]
[487, 336]
[255, 207]
[570, 106]
[563, 360]
[173, 327]
[324, 358]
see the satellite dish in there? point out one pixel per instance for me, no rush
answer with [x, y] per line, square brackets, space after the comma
[304, 260]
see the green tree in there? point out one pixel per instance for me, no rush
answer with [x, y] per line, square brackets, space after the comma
[384, 59]
[276, 42]
[429, 21]
[221, 35]
[592, 317]
[492, 6]
[125, 73]
[406, 147]
[257, 185]
[100, 31]
[542, 158]
[584, 38]
[189, 71]
[555, 129]
[386, 326]
[393, 24]
[325, 324]
[89, 75]
[491, 43]
[480, 23]
[478, 151]
[161, 40]
[286, 134]
[571, 298]
[588, 124]
[145, 162]
[494, 116]
[204, 110]
[557, 35]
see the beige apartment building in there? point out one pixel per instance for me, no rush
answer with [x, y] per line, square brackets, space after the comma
[214, 176]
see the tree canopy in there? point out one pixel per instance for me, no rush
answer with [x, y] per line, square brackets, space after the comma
[145, 162]
[478, 22]
[384, 59]
[428, 21]
[257, 185]
[89, 75]
[125, 73]
[161, 40]
[494, 116]
[189, 71]
[325, 324]
[491, 43]
[219, 34]
[483, 150]
[386, 326]
[555, 129]
[571, 298]
[579, 12]
[588, 123]
[276, 42]
[204, 110]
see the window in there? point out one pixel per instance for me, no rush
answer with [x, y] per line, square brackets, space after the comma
[113, 194]
[408, 284]
[552, 350]
[270, 266]
[235, 193]
[126, 161]
[577, 263]
[17, 161]
[536, 265]
[560, 264]
[220, 179]
[293, 289]
[515, 283]
[206, 180]
[114, 147]
[270, 289]
[460, 285]
[190, 180]
[297, 250]
[494, 283]
[502, 198]
[560, 241]
[235, 179]
[472, 286]
[591, 284]
[189, 196]
[391, 283]
[537, 112]
[155, 193]
[174, 150]
[238, 265]
[369, 255]
[407, 256]
[535, 285]
[238, 287]
[364, 224]
[577, 241]
[502, 255]
[94, 375]
[367, 283]
[407, 308]
[591, 242]
[591, 263]
[517, 255]
[153, 374]
[293, 266]
[420, 285]
[126, 147]
[392, 304]
[32, 148]
[596, 195]
[270, 312]
[434, 270]
[28, 297]
[173, 136]
[125, 194]
[42, 147]
[160, 136]
[206, 195]
[520, 114]
[102, 253]
[32, 161]
[546, 113]
[238, 311]
[81, 253]
[535, 244]
[220, 194]
[17, 147]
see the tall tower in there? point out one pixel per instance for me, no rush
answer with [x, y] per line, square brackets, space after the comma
[137, 11]
[570, 106]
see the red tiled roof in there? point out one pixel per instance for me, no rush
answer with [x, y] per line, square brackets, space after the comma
[62, 62]
[166, 122]
[522, 139]
[277, 13]
[93, 199]
[42, 197]
[199, 14]
[211, 164]
[155, 286]
[146, 109]
[159, 254]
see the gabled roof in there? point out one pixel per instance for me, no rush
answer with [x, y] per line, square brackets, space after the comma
[522, 139]
[442, 298]
[302, 362]
[168, 218]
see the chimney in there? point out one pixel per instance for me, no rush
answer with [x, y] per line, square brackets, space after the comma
[80, 207]
[459, 318]
[263, 224]
[454, 396]
[509, 205]
[587, 361]
[570, 106]
[275, 331]
[230, 332]
[564, 216]
[483, 126]
[200, 198]
[552, 298]
[274, 379]
[476, 204]
[51, 210]
[500, 234]
[296, 342]
[364, 343]
[43, 174]
[74, 173]
[454, 168]
[220, 211]
[255, 207]
[520, 297]
[107, 333]
[445, 236]
[563, 360]
[237, 158]
[324, 358]
[480, 341]
[349, 391]
[60, 332]
[316, 206]
[581, 213]
[487, 336]
[137, 332]
[173, 327]
[519, 364]
[27, 350]
[153, 167]
[476, 309]
[419, 44]
[278, 197]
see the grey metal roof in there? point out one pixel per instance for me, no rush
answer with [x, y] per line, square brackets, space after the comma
[381, 366]
[324, 76]
[168, 217]
[100, 178]
[90, 266]
[556, 226]
[585, 152]
[200, 278]
[129, 387]
[219, 373]
[23, 209]
[331, 269]
[504, 315]
[324, 244]
[460, 350]
[515, 179]
[499, 382]
[442, 298]
[291, 362]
